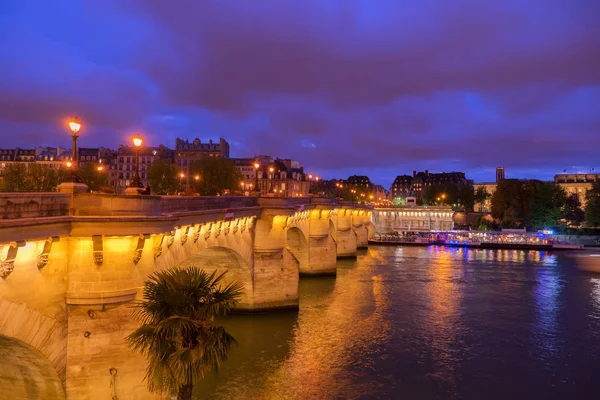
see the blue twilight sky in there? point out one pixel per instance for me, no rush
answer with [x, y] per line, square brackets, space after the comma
[350, 86]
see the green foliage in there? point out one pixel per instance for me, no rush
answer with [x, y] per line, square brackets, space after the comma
[178, 335]
[216, 175]
[480, 196]
[34, 177]
[592, 205]
[162, 177]
[546, 205]
[399, 201]
[93, 178]
[449, 193]
[573, 213]
[531, 204]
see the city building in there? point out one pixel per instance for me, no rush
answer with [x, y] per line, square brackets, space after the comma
[122, 167]
[95, 155]
[490, 188]
[401, 187]
[359, 181]
[53, 157]
[186, 153]
[417, 184]
[578, 183]
[282, 177]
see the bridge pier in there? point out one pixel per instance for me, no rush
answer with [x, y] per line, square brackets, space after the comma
[322, 248]
[344, 235]
[276, 267]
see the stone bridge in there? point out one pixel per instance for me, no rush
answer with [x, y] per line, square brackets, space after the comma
[71, 265]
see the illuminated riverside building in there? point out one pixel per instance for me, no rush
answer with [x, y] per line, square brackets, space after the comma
[577, 183]
[413, 219]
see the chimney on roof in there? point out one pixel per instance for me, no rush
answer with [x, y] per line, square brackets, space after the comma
[414, 173]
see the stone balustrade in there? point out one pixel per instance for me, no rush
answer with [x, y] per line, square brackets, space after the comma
[33, 205]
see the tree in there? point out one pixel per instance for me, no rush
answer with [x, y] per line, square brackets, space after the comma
[573, 213]
[216, 175]
[93, 178]
[592, 205]
[178, 335]
[531, 204]
[19, 177]
[162, 177]
[14, 178]
[546, 204]
[480, 196]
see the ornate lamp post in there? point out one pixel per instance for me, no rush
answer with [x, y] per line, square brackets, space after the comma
[181, 176]
[136, 182]
[256, 167]
[271, 169]
[75, 127]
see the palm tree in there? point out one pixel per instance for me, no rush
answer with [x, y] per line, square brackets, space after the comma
[178, 336]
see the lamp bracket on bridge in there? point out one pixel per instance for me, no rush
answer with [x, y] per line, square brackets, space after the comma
[7, 265]
[227, 227]
[218, 226]
[42, 258]
[98, 247]
[157, 242]
[197, 232]
[208, 230]
[171, 239]
[139, 248]
[184, 234]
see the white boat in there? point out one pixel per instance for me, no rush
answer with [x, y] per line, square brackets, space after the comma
[588, 262]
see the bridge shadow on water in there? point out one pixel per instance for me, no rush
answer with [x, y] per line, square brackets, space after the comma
[264, 343]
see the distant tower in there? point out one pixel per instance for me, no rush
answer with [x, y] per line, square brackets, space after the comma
[499, 174]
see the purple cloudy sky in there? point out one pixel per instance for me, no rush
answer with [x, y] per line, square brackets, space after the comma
[351, 86]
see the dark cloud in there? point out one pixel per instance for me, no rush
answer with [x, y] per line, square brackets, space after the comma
[369, 87]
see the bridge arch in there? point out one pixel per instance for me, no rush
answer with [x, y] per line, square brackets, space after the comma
[26, 373]
[223, 259]
[298, 246]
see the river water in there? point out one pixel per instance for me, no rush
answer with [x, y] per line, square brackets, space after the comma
[425, 323]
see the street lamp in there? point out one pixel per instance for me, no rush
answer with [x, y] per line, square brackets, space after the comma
[256, 167]
[75, 127]
[271, 169]
[136, 182]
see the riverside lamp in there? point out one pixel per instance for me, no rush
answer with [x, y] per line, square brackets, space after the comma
[136, 182]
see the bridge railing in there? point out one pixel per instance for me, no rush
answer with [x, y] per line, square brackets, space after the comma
[49, 204]
[178, 204]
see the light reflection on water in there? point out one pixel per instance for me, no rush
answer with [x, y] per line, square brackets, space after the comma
[424, 323]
